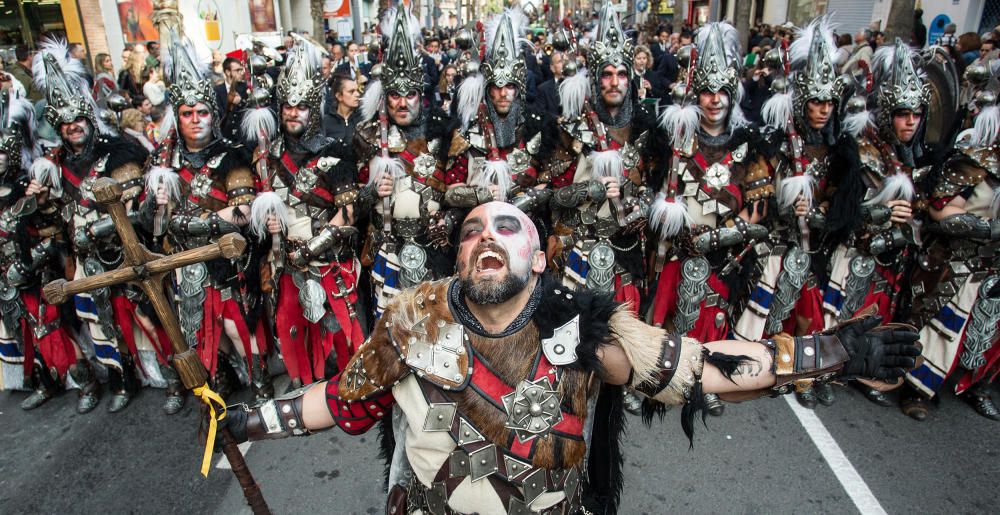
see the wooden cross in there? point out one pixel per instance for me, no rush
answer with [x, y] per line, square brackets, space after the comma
[147, 270]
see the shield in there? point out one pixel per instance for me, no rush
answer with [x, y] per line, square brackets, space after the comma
[943, 80]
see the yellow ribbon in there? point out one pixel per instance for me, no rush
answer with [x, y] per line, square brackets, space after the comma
[207, 396]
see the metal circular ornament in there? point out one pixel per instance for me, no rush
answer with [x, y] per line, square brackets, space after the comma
[695, 269]
[862, 266]
[195, 273]
[796, 261]
[412, 257]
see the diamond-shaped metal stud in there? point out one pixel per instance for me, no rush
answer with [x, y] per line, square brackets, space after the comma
[440, 416]
[483, 462]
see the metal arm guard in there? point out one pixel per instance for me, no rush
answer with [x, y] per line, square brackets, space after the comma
[575, 194]
[467, 196]
[88, 236]
[532, 199]
[319, 244]
[810, 358]
[19, 274]
[816, 218]
[194, 226]
[886, 241]
[877, 214]
[729, 236]
[271, 419]
[968, 225]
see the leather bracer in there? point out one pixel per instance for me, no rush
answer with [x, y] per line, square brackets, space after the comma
[876, 214]
[532, 199]
[969, 226]
[467, 196]
[329, 236]
[214, 225]
[273, 418]
[820, 356]
[816, 218]
[571, 196]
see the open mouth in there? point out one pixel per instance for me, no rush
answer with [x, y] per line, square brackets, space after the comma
[489, 262]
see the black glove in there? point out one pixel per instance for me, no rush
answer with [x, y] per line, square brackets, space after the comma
[236, 422]
[877, 352]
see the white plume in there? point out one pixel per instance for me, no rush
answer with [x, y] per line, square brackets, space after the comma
[389, 17]
[258, 120]
[166, 177]
[371, 101]
[798, 50]
[883, 61]
[794, 187]
[267, 204]
[167, 124]
[986, 126]
[381, 166]
[47, 173]
[669, 217]
[777, 111]
[494, 172]
[573, 93]
[311, 52]
[470, 96]
[681, 123]
[737, 118]
[895, 187]
[73, 69]
[607, 163]
[856, 123]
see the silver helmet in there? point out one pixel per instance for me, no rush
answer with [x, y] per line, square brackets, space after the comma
[717, 62]
[301, 83]
[815, 77]
[64, 81]
[188, 82]
[401, 68]
[900, 85]
[504, 63]
[610, 45]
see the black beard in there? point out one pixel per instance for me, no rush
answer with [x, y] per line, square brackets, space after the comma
[492, 291]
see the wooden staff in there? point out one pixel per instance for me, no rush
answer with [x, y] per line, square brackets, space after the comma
[147, 270]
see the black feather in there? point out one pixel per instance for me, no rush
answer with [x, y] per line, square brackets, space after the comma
[603, 488]
[386, 445]
[690, 409]
[726, 363]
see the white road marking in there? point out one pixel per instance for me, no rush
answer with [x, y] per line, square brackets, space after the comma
[224, 461]
[849, 478]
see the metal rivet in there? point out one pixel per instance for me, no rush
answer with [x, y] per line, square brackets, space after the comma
[808, 351]
[286, 408]
[559, 349]
[666, 364]
[786, 358]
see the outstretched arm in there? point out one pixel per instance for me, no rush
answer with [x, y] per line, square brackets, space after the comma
[667, 368]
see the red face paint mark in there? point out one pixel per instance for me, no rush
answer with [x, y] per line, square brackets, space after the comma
[525, 252]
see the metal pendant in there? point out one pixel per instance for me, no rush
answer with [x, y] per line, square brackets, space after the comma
[424, 165]
[532, 409]
[982, 327]
[193, 280]
[305, 179]
[7, 292]
[518, 161]
[794, 272]
[201, 186]
[87, 188]
[312, 297]
[691, 292]
[601, 276]
[717, 176]
[859, 279]
[412, 264]
[630, 156]
[439, 358]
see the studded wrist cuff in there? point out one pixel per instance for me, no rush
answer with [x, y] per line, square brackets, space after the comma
[276, 418]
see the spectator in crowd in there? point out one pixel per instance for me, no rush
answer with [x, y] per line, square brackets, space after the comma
[130, 77]
[434, 62]
[648, 83]
[757, 89]
[143, 105]
[948, 39]
[22, 72]
[447, 88]
[843, 53]
[326, 67]
[660, 46]
[878, 39]
[152, 54]
[153, 87]
[230, 94]
[862, 52]
[968, 47]
[337, 53]
[104, 78]
[217, 72]
[126, 52]
[340, 123]
[547, 98]
[133, 123]
[919, 39]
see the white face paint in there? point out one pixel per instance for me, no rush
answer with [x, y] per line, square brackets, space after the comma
[614, 84]
[295, 119]
[498, 252]
[714, 108]
[404, 109]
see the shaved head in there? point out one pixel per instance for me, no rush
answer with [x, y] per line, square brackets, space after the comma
[498, 253]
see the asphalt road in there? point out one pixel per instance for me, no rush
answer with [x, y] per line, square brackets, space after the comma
[757, 458]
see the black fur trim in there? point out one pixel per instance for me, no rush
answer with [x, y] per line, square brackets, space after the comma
[546, 125]
[844, 216]
[602, 491]
[695, 404]
[386, 446]
[120, 150]
[594, 309]
[653, 409]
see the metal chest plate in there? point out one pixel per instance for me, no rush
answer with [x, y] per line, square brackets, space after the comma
[560, 349]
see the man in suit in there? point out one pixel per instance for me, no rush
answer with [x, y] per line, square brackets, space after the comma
[547, 98]
[230, 94]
